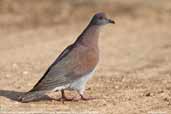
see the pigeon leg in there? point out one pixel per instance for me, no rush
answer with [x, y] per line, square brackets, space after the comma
[64, 98]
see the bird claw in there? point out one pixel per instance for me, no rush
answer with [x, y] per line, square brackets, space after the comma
[87, 98]
[63, 99]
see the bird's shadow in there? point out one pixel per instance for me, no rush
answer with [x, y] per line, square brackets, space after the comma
[14, 95]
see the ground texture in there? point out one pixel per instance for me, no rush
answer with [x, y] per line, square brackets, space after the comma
[133, 76]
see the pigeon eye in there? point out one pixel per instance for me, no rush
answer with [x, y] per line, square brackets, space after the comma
[100, 18]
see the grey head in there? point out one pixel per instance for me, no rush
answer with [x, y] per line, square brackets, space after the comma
[101, 19]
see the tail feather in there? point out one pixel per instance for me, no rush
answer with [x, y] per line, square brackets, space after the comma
[31, 96]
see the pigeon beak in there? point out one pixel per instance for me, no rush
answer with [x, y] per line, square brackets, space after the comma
[111, 21]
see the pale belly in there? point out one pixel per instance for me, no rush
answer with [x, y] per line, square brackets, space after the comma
[78, 85]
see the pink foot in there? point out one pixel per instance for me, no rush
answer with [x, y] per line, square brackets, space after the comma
[63, 99]
[87, 98]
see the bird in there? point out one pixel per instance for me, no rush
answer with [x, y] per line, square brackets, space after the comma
[76, 64]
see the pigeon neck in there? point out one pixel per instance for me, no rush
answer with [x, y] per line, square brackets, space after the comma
[90, 36]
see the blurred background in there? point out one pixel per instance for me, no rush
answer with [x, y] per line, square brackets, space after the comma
[31, 13]
[133, 75]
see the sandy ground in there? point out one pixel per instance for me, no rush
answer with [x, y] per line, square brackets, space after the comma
[133, 76]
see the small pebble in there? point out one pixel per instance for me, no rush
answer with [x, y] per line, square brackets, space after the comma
[7, 75]
[25, 72]
[116, 87]
[148, 94]
[14, 65]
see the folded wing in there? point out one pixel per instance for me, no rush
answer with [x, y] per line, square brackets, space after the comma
[63, 71]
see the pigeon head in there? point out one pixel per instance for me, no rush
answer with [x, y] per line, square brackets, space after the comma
[101, 19]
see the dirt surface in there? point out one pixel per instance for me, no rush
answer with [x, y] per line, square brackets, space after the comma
[133, 76]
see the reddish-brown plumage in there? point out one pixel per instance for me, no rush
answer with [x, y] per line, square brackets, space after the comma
[76, 61]
[87, 49]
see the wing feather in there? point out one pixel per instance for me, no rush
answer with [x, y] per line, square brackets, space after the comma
[50, 70]
[63, 71]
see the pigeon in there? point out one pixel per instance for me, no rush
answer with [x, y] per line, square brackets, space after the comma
[76, 64]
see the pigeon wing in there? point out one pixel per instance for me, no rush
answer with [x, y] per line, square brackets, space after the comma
[63, 71]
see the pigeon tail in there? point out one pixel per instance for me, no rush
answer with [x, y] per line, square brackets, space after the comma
[31, 96]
